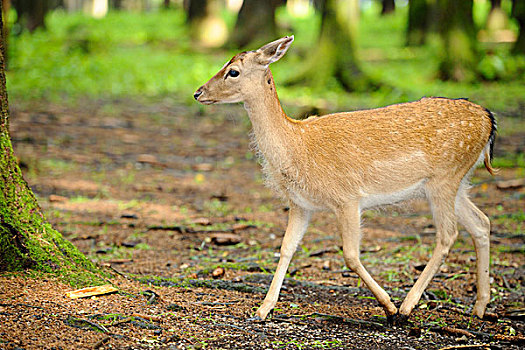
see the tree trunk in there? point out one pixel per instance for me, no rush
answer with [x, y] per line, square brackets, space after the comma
[27, 240]
[206, 25]
[333, 58]
[31, 14]
[518, 12]
[495, 4]
[497, 19]
[6, 5]
[418, 16]
[458, 37]
[115, 4]
[195, 10]
[388, 6]
[255, 23]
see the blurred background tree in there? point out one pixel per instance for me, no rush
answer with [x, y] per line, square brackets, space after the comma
[418, 22]
[333, 57]
[458, 39]
[388, 6]
[518, 12]
[341, 46]
[31, 14]
[255, 24]
[206, 25]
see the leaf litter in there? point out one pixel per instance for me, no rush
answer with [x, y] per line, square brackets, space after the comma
[158, 206]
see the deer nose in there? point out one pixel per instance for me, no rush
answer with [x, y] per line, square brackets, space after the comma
[197, 94]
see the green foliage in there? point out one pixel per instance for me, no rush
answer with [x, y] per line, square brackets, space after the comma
[127, 55]
[121, 55]
[514, 160]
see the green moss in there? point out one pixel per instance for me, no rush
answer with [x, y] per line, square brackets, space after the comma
[27, 240]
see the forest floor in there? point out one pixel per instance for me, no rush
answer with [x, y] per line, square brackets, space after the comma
[171, 200]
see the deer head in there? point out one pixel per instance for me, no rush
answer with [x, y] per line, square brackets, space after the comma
[234, 82]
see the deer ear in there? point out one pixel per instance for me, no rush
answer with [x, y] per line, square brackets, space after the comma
[273, 51]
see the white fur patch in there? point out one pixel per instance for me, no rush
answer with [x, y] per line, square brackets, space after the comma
[379, 199]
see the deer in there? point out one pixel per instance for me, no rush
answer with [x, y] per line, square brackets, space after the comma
[348, 162]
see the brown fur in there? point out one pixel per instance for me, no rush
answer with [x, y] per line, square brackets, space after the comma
[346, 162]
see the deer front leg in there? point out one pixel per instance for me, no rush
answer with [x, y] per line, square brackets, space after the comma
[298, 219]
[349, 218]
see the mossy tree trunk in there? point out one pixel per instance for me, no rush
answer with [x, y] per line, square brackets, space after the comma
[458, 37]
[27, 240]
[333, 58]
[518, 12]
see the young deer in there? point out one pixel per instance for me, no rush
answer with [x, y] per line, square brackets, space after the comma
[348, 162]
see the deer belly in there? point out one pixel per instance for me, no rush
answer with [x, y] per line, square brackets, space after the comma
[371, 200]
[304, 201]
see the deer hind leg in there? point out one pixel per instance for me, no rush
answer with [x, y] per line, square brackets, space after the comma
[478, 226]
[441, 198]
[298, 220]
[349, 220]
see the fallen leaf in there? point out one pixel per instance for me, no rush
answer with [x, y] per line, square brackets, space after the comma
[240, 227]
[202, 221]
[91, 291]
[371, 249]
[202, 167]
[57, 199]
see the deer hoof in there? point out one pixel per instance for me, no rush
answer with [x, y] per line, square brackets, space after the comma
[256, 319]
[397, 320]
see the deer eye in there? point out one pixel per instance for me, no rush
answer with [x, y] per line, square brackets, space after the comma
[233, 73]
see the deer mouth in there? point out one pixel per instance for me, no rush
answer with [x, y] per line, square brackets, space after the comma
[207, 102]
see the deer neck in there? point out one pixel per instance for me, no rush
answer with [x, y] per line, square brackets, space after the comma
[272, 129]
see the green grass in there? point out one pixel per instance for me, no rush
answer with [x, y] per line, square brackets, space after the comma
[130, 55]
[514, 160]
[121, 55]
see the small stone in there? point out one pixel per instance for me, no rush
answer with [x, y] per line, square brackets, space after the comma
[218, 272]
[225, 238]
[147, 158]
[462, 339]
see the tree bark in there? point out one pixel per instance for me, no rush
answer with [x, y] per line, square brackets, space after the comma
[333, 58]
[458, 37]
[255, 23]
[518, 12]
[27, 240]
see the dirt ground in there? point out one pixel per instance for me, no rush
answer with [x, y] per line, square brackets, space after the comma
[171, 200]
